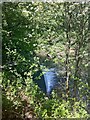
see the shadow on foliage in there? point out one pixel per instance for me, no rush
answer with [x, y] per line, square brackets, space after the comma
[8, 110]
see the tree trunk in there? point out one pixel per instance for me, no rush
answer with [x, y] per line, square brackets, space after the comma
[68, 44]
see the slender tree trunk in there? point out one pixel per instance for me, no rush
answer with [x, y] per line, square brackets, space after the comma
[68, 43]
[76, 75]
[78, 59]
[67, 66]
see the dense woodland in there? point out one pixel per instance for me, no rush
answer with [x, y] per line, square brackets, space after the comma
[49, 35]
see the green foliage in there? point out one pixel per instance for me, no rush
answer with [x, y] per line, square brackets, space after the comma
[31, 31]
